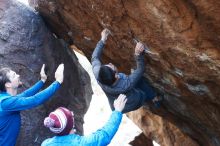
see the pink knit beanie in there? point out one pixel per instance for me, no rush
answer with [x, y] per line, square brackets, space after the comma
[60, 121]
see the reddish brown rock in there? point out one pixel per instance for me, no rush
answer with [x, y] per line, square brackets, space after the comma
[141, 140]
[184, 35]
[159, 129]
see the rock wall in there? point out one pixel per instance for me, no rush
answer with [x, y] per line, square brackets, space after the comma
[142, 140]
[159, 129]
[25, 44]
[184, 38]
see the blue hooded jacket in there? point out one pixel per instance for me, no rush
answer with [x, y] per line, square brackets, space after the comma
[101, 137]
[10, 107]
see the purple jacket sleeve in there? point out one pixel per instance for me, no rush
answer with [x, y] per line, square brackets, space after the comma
[138, 73]
[96, 55]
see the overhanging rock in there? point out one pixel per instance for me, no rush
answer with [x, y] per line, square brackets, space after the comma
[184, 35]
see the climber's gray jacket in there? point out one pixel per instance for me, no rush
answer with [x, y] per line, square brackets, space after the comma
[124, 85]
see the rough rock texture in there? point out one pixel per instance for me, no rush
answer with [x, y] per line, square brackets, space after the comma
[155, 127]
[25, 44]
[182, 34]
[141, 140]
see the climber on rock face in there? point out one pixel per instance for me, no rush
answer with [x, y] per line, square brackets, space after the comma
[61, 122]
[114, 83]
[12, 103]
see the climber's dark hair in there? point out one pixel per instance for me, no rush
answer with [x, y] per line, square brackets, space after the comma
[106, 75]
[3, 78]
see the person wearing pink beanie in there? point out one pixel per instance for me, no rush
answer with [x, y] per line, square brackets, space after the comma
[61, 122]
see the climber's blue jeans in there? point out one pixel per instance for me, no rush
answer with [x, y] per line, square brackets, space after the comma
[146, 88]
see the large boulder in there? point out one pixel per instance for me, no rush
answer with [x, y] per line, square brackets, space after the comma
[184, 39]
[25, 44]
